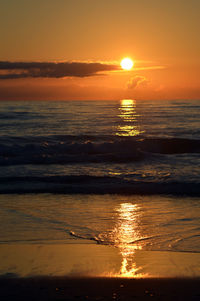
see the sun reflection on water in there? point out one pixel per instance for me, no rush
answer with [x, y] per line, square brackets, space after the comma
[128, 116]
[126, 236]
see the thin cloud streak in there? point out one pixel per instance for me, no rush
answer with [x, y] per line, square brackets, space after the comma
[15, 70]
[150, 68]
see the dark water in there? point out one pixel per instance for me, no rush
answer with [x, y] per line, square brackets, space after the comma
[114, 157]
[131, 146]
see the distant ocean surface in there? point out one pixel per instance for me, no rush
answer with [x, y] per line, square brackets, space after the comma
[114, 172]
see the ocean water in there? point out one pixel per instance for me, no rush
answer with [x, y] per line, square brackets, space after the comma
[122, 173]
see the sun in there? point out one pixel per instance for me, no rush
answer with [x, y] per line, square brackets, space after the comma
[127, 63]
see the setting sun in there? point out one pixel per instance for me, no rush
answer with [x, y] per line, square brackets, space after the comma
[127, 63]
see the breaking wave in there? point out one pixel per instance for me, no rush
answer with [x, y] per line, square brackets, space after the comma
[94, 149]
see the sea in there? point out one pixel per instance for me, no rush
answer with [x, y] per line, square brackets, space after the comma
[122, 172]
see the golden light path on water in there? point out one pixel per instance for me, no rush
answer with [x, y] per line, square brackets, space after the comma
[126, 231]
[126, 237]
[128, 116]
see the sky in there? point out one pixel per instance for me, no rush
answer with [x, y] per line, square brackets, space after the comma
[71, 49]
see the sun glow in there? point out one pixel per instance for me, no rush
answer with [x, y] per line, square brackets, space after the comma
[127, 63]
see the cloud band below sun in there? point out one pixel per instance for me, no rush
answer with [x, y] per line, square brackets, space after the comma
[15, 70]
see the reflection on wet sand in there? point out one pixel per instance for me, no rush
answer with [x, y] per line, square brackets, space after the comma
[126, 236]
[128, 116]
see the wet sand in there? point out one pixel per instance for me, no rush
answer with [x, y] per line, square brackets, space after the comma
[58, 271]
[93, 260]
[65, 288]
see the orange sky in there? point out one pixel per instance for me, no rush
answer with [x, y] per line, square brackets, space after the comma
[161, 37]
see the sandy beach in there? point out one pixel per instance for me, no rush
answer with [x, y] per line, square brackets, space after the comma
[90, 259]
[64, 288]
[58, 271]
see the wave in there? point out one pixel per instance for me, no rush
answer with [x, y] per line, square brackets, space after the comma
[95, 149]
[172, 246]
[85, 184]
[100, 240]
[94, 238]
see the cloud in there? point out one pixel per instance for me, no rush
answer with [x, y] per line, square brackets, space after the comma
[150, 68]
[137, 81]
[15, 70]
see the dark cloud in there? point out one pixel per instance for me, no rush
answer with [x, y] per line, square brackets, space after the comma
[14, 70]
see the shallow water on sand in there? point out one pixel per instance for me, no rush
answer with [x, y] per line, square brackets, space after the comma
[143, 222]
